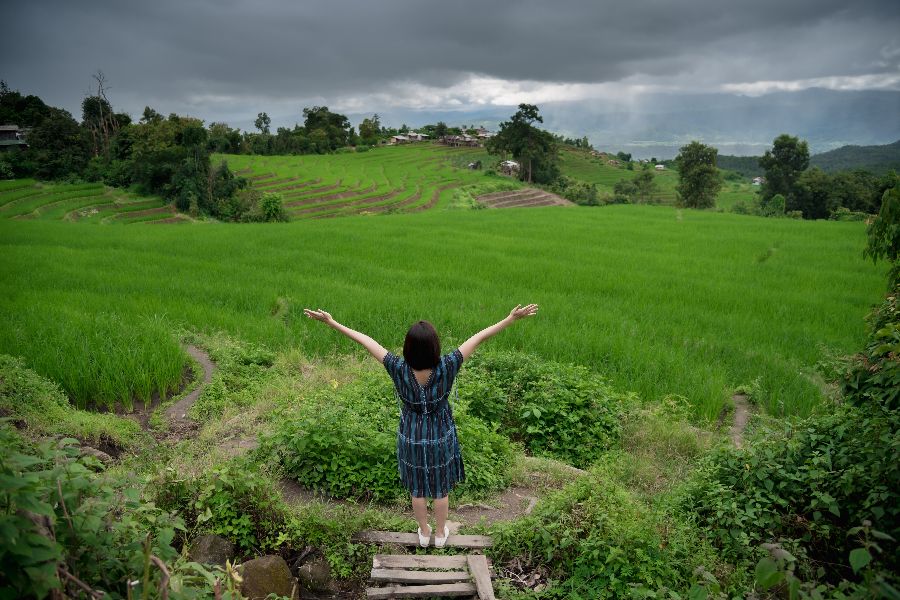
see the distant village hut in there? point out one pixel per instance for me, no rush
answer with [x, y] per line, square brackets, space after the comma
[660, 167]
[12, 138]
[399, 139]
[509, 167]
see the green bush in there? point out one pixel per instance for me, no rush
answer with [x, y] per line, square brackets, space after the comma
[343, 442]
[562, 411]
[598, 541]
[873, 376]
[59, 517]
[805, 484]
[234, 501]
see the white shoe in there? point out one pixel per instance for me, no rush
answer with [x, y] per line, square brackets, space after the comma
[423, 539]
[440, 541]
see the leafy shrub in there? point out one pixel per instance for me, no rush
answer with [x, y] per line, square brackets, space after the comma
[234, 501]
[845, 214]
[271, 207]
[558, 410]
[873, 376]
[601, 542]
[806, 485]
[578, 192]
[343, 442]
[60, 519]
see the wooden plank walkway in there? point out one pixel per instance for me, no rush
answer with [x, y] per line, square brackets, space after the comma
[426, 575]
[412, 539]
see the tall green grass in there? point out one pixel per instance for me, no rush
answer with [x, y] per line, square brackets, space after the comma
[662, 301]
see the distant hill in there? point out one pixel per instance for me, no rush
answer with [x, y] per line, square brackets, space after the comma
[878, 159]
[748, 166]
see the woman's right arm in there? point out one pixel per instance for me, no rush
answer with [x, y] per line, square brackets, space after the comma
[519, 312]
[375, 349]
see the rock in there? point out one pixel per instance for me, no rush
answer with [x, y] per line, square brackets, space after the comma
[315, 575]
[211, 550]
[266, 575]
[98, 454]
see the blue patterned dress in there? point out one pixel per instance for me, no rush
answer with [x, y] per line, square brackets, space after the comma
[428, 453]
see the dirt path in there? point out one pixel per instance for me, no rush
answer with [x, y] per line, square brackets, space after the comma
[741, 417]
[177, 413]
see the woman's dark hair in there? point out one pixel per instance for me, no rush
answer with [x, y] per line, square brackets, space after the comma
[422, 348]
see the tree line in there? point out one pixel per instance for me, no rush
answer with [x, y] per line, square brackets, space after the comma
[791, 187]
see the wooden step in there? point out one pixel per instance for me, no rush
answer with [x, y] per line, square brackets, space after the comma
[423, 591]
[420, 561]
[412, 539]
[414, 576]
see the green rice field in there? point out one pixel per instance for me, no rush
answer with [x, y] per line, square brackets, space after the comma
[408, 178]
[662, 301]
[580, 165]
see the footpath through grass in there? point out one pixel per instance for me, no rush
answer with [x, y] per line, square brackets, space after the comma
[662, 301]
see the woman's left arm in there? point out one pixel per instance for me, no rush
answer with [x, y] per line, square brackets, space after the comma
[375, 349]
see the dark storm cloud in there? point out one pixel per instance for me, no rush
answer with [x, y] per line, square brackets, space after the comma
[230, 58]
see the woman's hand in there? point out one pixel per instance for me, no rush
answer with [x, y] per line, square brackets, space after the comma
[520, 312]
[318, 315]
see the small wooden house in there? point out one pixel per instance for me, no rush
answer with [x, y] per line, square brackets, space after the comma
[12, 137]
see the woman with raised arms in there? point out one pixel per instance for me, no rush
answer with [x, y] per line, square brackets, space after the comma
[428, 452]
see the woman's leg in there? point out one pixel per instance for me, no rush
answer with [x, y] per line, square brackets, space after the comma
[441, 510]
[420, 510]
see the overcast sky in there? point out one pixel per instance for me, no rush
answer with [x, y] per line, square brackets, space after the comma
[228, 60]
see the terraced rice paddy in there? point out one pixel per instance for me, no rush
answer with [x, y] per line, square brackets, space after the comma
[522, 199]
[26, 199]
[409, 178]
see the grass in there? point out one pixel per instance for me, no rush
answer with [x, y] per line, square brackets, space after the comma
[404, 178]
[579, 164]
[662, 301]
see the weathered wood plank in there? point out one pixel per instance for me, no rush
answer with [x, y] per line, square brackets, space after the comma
[412, 539]
[420, 561]
[409, 576]
[422, 591]
[481, 574]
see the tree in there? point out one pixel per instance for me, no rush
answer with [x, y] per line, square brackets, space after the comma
[884, 235]
[624, 191]
[98, 118]
[370, 130]
[150, 116]
[440, 130]
[811, 195]
[326, 130]
[699, 180]
[262, 122]
[783, 164]
[645, 186]
[535, 149]
[57, 147]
